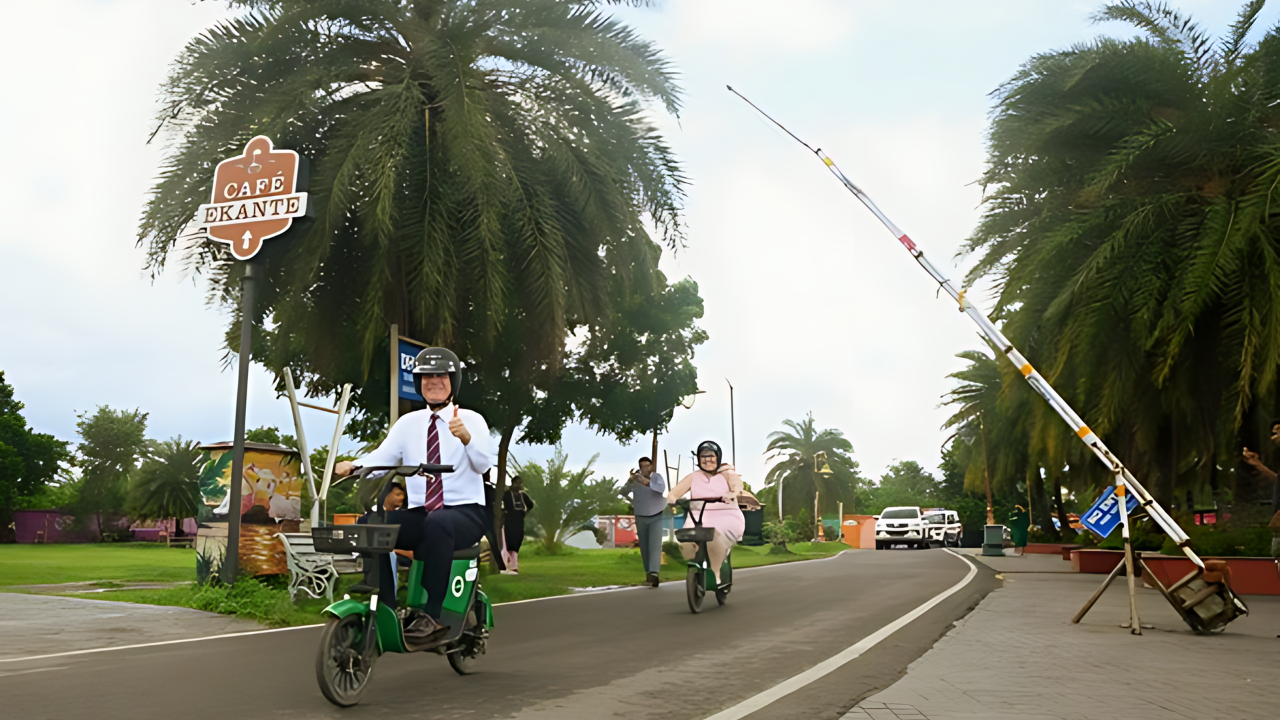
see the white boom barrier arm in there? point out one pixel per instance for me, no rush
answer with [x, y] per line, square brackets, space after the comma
[1124, 478]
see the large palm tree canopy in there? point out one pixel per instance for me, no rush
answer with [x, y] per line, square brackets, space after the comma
[1132, 222]
[472, 161]
[795, 451]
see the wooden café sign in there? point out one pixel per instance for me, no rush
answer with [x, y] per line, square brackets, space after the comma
[255, 197]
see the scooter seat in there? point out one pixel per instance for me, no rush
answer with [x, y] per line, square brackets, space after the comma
[471, 553]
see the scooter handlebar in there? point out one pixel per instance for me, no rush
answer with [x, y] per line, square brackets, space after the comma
[402, 470]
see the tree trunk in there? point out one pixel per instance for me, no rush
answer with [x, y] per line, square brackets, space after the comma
[653, 459]
[986, 473]
[1061, 507]
[500, 487]
[1041, 501]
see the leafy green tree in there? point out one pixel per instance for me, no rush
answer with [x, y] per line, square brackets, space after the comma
[111, 444]
[1131, 223]
[905, 483]
[794, 454]
[563, 500]
[271, 434]
[29, 461]
[167, 485]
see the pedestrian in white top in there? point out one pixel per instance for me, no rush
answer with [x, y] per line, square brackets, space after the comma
[443, 512]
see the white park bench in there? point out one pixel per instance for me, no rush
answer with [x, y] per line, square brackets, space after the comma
[312, 572]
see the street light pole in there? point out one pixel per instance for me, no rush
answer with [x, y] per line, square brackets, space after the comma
[733, 435]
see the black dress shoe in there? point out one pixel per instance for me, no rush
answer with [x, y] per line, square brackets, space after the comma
[651, 579]
[423, 630]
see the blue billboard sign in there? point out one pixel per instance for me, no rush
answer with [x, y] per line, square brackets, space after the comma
[408, 353]
[1104, 516]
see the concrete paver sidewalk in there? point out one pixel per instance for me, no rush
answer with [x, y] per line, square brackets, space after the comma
[1017, 655]
[42, 625]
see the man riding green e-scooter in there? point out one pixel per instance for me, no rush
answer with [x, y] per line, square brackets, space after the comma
[442, 452]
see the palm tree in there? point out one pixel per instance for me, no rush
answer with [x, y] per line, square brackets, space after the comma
[168, 483]
[480, 172]
[795, 476]
[977, 393]
[1131, 225]
[563, 500]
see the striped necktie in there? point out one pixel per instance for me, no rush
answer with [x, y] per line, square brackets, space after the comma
[435, 482]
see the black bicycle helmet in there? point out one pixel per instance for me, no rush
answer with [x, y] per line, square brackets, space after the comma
[438, 361]
[714, 447]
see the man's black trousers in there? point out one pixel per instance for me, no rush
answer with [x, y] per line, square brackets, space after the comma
[432, 537]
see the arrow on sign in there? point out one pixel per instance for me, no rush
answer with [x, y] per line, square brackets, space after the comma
[248, 236]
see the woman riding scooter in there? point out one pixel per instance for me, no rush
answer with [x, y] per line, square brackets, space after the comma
[720, 484]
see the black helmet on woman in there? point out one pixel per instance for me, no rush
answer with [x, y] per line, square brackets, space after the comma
[708, 446]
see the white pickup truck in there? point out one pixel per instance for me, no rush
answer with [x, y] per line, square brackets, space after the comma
[901, 526]
[942, 527]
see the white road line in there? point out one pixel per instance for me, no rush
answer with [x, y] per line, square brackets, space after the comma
[24, 672]
[790, 685]
[303, 627]
[155, 644]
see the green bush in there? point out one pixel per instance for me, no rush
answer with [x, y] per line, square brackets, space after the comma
[249, 598]
[1225, 541]
[779, 550]
[671, 549]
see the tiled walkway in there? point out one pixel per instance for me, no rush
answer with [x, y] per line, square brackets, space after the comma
[1017, 655]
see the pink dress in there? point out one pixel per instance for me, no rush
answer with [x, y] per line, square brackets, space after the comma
[727, 519]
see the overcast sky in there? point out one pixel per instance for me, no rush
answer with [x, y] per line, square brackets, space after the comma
[810, 305]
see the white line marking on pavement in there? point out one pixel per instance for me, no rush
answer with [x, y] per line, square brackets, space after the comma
[790, 685]
[24, 672]
[303, 627]
[154, 644]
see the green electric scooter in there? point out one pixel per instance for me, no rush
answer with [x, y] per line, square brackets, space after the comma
[699, 578]
[358, 631]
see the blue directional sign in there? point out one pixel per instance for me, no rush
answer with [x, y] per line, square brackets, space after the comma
[1104, 516]
[408, 353]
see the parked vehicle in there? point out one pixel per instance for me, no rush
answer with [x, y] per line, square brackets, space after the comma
[901, 526]
[942, 527]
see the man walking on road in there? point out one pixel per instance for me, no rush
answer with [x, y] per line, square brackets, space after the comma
[648, 493]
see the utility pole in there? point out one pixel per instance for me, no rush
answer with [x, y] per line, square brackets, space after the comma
[733, 435]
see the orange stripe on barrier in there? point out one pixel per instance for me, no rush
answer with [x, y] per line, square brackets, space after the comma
[1083, 432]
[1120, 490]
[1027, 369]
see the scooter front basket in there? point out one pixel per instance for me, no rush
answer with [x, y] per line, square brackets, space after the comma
[697, 534]
[346, 539]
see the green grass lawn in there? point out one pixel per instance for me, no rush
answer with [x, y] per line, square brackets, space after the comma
[124, 562]
[542, 575]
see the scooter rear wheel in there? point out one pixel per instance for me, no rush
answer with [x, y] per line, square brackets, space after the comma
[695, 589]
[470, 649]
[341, 670]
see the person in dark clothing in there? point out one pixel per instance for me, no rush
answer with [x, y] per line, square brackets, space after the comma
[1252, 458]
[515, 503]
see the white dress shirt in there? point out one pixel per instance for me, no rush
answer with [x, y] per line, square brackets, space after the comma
[406, 444]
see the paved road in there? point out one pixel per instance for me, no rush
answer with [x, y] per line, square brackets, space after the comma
[633, 654]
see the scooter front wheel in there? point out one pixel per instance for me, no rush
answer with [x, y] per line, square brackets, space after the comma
[695, 589]
[341, 668]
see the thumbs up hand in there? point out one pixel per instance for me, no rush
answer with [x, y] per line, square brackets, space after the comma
[458, 429]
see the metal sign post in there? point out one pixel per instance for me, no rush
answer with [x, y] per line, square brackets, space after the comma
[231, 563]
[256, 196]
